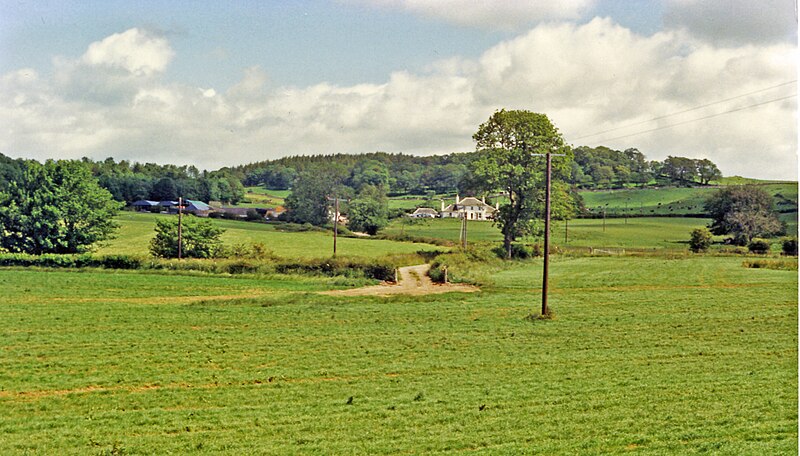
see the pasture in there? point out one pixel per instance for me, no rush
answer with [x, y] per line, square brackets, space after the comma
[645, 356]
[635, 233]
[137, 229]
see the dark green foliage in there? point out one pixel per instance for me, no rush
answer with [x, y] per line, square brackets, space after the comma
[369, 212]
[57, 207]
[518, 251]
[201, 238]
[340, 267]
[759, 246]
[700, 240]
[744, 211]
[506, 144]
[85, 260]
[789, 246]
[308, 202]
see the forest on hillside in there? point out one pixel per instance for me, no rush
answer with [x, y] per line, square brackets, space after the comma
[394, 173]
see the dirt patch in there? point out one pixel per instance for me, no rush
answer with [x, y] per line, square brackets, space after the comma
[412, 280]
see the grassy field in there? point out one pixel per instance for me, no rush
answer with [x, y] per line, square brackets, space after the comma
[646, 232]
[645, 356]
[136, 230]
[677, 201]
[260, 197]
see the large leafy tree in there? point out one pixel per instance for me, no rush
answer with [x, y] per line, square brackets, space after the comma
[57, 207]
[308, 202]
[506, 145]
[744, 211]
[369, 211]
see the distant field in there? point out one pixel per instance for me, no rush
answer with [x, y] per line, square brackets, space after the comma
[260, 197]
[645, 232]
[138, 228]
[676, 201]
[645, 356]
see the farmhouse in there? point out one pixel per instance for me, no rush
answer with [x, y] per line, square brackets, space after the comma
[424, 212]
[471, 208]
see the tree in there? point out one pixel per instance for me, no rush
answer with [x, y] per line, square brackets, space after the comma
[57, 207]
[164, 189]
[308, 202]
[744, 211]
[201, 238]
[368, 212]
[700, 240]
[707, 171]
[680, 170]
[506, 144]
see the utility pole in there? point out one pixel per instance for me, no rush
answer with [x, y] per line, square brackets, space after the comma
[180, 227]
[545, 270]
[463, 235]
[335, 200]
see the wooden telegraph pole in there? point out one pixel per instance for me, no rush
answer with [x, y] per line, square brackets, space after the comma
[335, 200]
[546, 269]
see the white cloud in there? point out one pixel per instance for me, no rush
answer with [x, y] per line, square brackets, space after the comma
[734, 21]
[588, 78]
[487, 14]
[136, 51]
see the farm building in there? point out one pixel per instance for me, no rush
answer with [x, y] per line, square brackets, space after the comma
[424, 212]
[144, 205]
[471, 208]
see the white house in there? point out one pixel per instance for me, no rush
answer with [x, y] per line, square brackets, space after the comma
[471, 208]
[424, 212]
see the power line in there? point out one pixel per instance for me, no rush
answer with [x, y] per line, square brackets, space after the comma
[687, 110]
[699, 118]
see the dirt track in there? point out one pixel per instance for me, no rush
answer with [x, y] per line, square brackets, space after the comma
[413, 280]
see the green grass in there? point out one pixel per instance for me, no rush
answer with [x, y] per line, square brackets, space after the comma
[136, 230]
[261, 197]
[649, 201]
[645, 356]
[646, 232]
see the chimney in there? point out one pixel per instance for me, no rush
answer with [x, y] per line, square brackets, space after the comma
[497, 205]
[483, 199]
[442, 205]
[457, 199]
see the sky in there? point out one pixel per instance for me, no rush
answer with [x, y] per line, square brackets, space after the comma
[218, 84]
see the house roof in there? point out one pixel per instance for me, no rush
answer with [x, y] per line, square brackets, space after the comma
[470, 202]
[425, 210]
[167, 203]
[145, 203]
[197, 206]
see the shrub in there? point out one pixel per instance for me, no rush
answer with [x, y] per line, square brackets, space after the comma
[700, 240]
[201, 238]
[119, 262]
[789, 246]
[518, 251]
[759, 246]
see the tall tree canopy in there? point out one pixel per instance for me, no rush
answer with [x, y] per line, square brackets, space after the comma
[308, 202]
[506, 145]
[57, 207]
[744, 211]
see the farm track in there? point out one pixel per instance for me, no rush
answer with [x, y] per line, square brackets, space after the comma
[412, 280]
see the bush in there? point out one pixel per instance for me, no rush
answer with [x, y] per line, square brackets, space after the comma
[119, 262]
[338, 267]
[201, 238]
[700, 240]
[789, 246]
[518, 251]
[759, 246]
